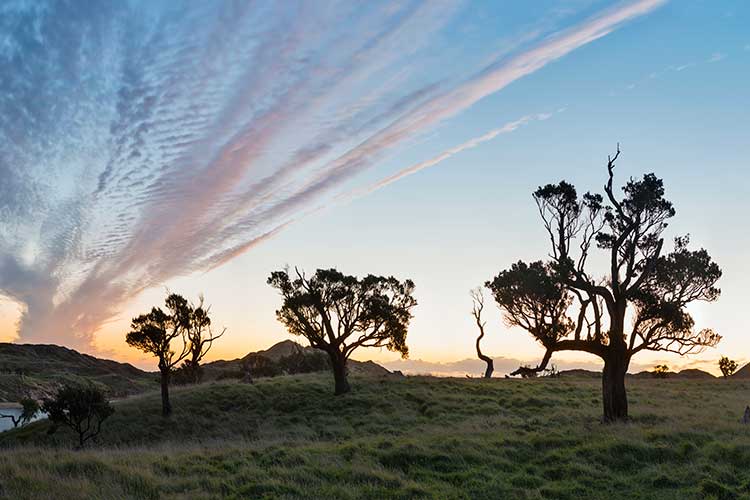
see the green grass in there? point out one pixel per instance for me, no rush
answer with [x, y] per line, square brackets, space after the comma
[413, 437]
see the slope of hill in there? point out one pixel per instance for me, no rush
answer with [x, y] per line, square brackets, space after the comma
[581, 373]
[285, 356]
[743, 372]
[694, 373]
[36, 370]
[398, 437]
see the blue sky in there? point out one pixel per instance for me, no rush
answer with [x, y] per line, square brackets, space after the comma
[132, 163]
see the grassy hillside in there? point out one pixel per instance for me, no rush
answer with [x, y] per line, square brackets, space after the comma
[37, 370]
[394, 437]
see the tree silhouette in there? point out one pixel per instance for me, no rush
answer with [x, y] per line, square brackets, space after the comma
[478, 306]
[182, 323]
[29, 408]
[82, 408]
[200, 339]
[727, 366]
[657, 286]
[661, 371]
[338, 313]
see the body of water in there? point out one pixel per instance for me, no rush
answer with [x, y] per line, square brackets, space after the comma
[7, 423]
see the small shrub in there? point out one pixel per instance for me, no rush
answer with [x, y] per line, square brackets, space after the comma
[727, 366]
[661, 371]
[81, 408]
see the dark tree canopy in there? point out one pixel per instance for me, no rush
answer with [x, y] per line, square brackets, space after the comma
[567, 307]
[338, 313]
[661, 371]
[81, 408]
[154, 332]
[727, 366]
[533, 299]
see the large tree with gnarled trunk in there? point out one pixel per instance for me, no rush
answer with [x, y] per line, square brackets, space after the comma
[637, 304]
[339, 313]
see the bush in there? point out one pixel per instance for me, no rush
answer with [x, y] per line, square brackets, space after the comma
[661, 371]
[727, 366]
[81, 408]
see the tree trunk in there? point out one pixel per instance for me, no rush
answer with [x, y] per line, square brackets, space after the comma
[166, 406]
[614, 397]
[486, 359]
[490, 368]
[338, 363]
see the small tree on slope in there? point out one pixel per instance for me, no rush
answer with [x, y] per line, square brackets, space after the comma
[200, 339]
[81, 408]
[639, 276]
[184, 327]
[339, 313]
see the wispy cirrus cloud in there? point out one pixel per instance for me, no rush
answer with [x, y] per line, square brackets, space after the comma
[713, 58]
[146, 140]
[448, 153]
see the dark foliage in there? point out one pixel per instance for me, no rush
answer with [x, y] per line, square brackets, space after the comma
[727, 366]
[661, 371]
[338, 313]
[81, 408]
[639, 276]
[184, 324]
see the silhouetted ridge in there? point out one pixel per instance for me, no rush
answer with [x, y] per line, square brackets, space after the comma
[743, 372]
[283, 357]
[38, 369]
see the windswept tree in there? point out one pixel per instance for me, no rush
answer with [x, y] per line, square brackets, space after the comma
[200, 339]
[29, 409]
[477, 298]
[338, 313]
[641, 281]
[81, 408]
[727, 366]
[181, 332]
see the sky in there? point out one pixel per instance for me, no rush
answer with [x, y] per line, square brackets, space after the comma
[199, 146]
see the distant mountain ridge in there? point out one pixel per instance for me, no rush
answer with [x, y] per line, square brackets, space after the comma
[36, 370]
[688, 373]
[288, 353]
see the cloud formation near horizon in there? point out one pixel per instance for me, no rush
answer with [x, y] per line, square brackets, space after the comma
[140, 141]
